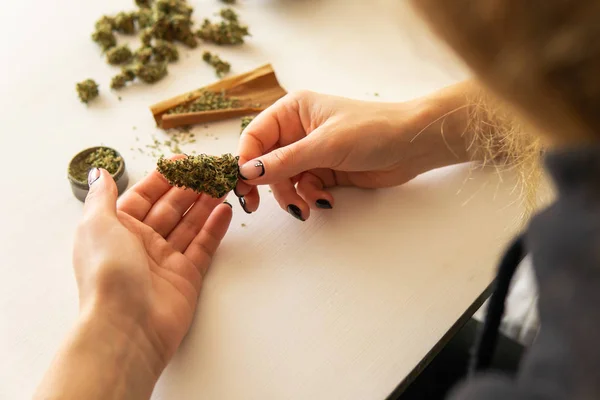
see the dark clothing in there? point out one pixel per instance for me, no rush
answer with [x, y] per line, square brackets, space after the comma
[564, 241]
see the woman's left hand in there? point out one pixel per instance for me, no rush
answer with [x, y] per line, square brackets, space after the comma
[142, 262]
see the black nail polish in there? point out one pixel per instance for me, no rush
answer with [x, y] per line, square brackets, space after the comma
[322, 203]
[295, 212]
[228, 203]
[235, 192]
[243, 204]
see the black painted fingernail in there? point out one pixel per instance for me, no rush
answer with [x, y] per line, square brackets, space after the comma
[243, 204]
[228, 203]
[235, 192]
[322, 203]
[295, 212]
[93, 176]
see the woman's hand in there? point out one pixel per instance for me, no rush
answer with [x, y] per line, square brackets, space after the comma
[139, 268]
[308, 142]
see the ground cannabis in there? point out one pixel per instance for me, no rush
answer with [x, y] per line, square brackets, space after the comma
[245, 122]
[221, 67]
[87, 90]
[207, 101]
[227, 32]
[213, 175]
[119, 55]
[102, 157]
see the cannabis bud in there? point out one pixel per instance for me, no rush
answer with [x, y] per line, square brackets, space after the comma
[165, 51]
[221, 67]
[245, 122]
[151, 72]
[104, 36]
[87, 90]
[119, 55]
[228, 1]
[143, 3]
[228, 14]
[213, 175]
[143, 54]
[227, 32]
[125, 23]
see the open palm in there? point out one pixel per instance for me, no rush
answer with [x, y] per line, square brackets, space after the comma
[144, 260]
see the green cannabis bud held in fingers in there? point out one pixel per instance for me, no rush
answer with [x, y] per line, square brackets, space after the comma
[213, 175]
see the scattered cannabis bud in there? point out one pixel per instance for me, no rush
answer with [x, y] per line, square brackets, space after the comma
[207, 101]
[151, 72]
[228, 14]
[143, 54]
[105, 21]
[229, 31]
[228, 1]
[125, 23]
[118, 55]
[213, 175]
[104, 36]
[221, 67]
[165, 51]
[143, 3]
[144, 18]
[100, 158]
[87, 90]
[245, 122]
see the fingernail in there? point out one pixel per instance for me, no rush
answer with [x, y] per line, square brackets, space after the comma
[243, 204]
[252, 170]
[228, 203]
[322, 203]
[235, 192]
[93, 176]
[295, 212]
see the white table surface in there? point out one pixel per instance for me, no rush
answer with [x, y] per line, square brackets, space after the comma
[343, 306]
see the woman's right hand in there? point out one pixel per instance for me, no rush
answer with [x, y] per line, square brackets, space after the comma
[308, 142]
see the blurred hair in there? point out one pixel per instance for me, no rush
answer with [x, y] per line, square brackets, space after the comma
[540, 58]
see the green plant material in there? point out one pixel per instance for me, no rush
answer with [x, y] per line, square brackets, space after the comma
[228, 14]
[165, 51]
[125, 23]
[221, 67]
[151, 72]
[102, 157]
[105, 21]
[128, 74]
[213, 175]
[87, 90]
[245, 122]
[223, 33]
[228, 1]
[143, 3]
[119, 55]
[207, 101]
[144, 18]
[103, 35]
[143, 55]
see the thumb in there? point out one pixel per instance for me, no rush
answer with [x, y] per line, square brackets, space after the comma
[102, 196]
[284, 162]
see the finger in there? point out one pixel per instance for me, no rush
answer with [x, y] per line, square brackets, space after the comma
[138, 200]
[250, 201]
[202, 248]
[278, 124]
[192, 222]
[102, 195]
[242, 188]
[285, 162]
[166, 213]
[289, 200]
[311, 188]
